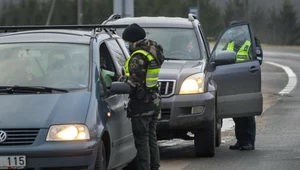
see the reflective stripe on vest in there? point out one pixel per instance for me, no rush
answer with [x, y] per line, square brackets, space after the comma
[152, 71]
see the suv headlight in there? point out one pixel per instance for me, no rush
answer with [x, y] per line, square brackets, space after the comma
[68, 133]
[193, 84]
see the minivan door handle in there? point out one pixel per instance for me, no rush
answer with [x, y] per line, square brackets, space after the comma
[253, 69]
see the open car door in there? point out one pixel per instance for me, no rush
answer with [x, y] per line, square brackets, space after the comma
[239, 80]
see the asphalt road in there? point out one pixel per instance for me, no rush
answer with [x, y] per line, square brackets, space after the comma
[278, 129]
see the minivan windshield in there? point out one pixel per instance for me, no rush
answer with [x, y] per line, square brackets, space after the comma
[177, 43]
[57, 65]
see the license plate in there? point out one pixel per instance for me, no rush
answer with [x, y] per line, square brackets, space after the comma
[12, 162]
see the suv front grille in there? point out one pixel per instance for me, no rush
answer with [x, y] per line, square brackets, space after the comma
[19, 136]
[166, 87]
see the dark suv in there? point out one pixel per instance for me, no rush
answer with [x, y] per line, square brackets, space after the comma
[60, 107]
[200, 87]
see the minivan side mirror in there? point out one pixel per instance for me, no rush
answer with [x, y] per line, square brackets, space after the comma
[120, 88]
[225, 57]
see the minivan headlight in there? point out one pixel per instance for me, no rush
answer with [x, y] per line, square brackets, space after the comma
[193, 84]
[67, 133]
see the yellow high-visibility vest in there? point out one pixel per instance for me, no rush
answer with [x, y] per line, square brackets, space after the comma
[243, 53]
[152, 71]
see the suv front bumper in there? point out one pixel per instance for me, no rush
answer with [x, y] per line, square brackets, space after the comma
[186, 112]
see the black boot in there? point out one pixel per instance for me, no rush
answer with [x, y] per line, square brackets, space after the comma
[248, 147]
[236, 146]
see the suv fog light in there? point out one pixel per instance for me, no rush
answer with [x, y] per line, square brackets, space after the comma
[197, 110]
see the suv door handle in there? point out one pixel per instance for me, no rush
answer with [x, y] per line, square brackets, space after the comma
[253, 69]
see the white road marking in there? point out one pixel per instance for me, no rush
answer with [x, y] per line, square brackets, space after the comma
[281, 54]
[292, 82]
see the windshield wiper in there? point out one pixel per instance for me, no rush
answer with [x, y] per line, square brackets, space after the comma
[173, 59]
[28, 89]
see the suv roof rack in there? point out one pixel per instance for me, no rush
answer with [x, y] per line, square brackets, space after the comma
[94, 27]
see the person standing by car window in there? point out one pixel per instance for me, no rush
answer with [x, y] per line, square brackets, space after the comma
[245, 127]
[142, 69]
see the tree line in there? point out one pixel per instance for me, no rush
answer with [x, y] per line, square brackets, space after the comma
[272, 26]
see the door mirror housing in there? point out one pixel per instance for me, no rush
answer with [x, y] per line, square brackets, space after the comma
[225, 57]
[120, 88]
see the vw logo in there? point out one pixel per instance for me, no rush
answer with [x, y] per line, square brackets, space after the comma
[3, 136]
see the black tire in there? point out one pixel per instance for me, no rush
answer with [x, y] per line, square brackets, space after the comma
[205, 140]
[101, 163]
[219, 125]
[218, 133]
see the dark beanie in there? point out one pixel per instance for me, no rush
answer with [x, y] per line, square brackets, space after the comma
[133, 33]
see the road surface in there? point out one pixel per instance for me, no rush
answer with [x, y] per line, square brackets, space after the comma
[278, 129]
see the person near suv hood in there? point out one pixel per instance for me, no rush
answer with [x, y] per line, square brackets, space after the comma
[142, 69]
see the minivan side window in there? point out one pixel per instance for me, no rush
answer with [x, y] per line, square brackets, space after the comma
[107, 66]
[122, 46]
[116, 52]
[101, 86]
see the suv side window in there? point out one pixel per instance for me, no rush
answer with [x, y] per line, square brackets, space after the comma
[237, 39]
[107, 66]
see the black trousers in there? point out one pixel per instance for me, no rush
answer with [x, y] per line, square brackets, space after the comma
[245, 130]
[144, 132]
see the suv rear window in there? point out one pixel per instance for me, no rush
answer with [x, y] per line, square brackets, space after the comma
[178, 43]
[57, 65]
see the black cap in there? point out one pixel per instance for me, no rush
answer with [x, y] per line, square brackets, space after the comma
[133, 33]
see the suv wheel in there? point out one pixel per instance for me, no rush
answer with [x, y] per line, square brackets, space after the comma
[101, 157]
[205, 140]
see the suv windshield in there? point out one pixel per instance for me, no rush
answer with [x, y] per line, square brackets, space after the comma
[178, 43]
[58, 65]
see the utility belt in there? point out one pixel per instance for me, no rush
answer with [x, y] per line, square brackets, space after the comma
[144, 93]
[142, 102]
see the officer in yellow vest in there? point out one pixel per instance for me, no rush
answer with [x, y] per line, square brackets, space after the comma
[243, 52]
[142, 69]
[245, 127]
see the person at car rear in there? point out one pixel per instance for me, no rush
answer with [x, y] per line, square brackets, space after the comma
[245, 127]
[142, 69]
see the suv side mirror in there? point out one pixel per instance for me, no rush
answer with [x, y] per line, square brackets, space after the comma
[225, 57]
[120, 88]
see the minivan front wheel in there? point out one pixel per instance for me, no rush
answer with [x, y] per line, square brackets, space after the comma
[101, 157]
